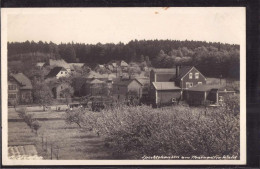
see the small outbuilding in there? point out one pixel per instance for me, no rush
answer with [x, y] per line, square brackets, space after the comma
[165, 93]
[212, 94]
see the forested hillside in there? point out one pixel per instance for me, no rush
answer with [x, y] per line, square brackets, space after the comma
[212, 59]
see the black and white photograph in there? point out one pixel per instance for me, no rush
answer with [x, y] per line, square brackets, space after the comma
[123, 86]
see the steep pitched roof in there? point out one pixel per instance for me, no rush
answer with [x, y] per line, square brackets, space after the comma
[96, 81]
[59, 63]
[55, 71]
[23, 80]
[143, 81]
[165, 86]
[110, 67]
[125, 82]
[93, 74]
[123, 63]
[76, 64]
[40, 64]
[171, 70]
[114, 64]
[183, 71]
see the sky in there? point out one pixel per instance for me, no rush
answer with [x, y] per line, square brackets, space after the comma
[113, 25]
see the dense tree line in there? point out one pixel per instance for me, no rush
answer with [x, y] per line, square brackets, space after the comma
[213, 59]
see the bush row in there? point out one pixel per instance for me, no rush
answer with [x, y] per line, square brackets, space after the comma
[29, 119]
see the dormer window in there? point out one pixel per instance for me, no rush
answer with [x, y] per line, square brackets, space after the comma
[190, 75]
[196, 75]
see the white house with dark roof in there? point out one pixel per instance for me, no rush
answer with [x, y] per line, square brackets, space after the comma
[59, 63]
[57, 72]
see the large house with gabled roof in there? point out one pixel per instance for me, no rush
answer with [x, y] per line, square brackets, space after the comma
[126, 89]
[167, 85]
[19, 89]
[188, 76]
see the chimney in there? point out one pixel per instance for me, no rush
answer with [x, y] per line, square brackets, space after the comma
[177, 70]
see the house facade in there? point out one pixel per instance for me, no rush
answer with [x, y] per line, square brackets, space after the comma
[94, 87]
[162, 75]
[165, 93]
[57, 90]
[124, 65]
[189, 76]
[169, 85]
[145, 87]
[207, 94]
[127, 89]
[19, 89]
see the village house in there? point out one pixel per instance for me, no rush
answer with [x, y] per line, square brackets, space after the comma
[114, 64]
[19, 89]
[74, 66]
[77, 84]
[189, 76]
[110, 67]
[57, 72]
[123, 65]
[201, 94]
[59, 63]
[94, 87]
[165, 93]
[145, 86]
[170, 85]
[40, 65]
[127, 89]
[162, 75]
[57, 89]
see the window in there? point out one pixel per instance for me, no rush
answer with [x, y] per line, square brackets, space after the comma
[190, 75]
[65, 72]
[12, 96]
[11, 87]
[61, 72]
[118, 97]
[189, 84]
[196, 75]
[118, 88]
[60, 87]
[199, 83]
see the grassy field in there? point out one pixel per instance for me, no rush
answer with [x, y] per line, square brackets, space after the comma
[67, 141]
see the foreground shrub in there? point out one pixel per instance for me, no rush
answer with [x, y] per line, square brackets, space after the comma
[75, 116]
[29, 119]
[22, 112]
[36, 126]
